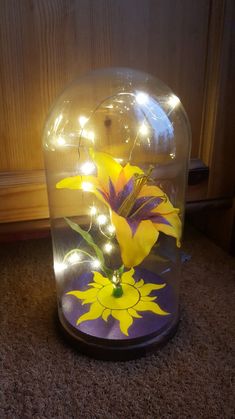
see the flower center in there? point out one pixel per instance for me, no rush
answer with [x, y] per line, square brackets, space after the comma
[129, 298]
[139, 182]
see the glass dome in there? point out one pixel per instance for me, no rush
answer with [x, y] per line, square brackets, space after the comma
[116, 146]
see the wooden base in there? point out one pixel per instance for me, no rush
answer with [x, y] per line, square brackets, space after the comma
[105, 349]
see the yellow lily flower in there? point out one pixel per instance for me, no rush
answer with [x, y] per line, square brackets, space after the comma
[138, 211]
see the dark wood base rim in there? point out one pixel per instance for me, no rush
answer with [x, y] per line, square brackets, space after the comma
[107, 352]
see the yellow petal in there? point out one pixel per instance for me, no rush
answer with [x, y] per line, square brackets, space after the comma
[165, 207]
[147, 288]
[134, 248]
[124, 318]
[151, 190]
[106, 313]
[77, 182]
[85, 183]
[121, 181]
[174, 229]
[95, 311]
[127, 277]
[130, 171]
[134, 313]
[95, 285]
[100, 279]
[139, 283]
[88, 295]
[148, 298]
[107, 168]
[150, 306]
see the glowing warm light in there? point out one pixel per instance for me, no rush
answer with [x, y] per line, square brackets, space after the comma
[102, 219]
[74, 257]
[60, 141]
[93, 210]
[89, 135]
[87, 168]
[172, 155]
[141, 98]
[96, 263]
[144, 130]
[173, 101]
[111, 229]
[82, 120]
[119, 160]
[108, 247]
[87, 186]
[59, 267]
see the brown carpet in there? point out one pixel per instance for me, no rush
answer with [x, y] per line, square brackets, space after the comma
[43, 377]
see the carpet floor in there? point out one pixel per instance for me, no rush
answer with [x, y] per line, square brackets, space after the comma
[41, 376]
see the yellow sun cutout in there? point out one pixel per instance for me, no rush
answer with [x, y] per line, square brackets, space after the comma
[135, 298]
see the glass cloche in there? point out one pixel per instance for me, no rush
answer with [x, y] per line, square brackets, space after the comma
[116, 145]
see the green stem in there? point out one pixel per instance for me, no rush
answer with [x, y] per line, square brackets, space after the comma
[117, 291]
[116, 280]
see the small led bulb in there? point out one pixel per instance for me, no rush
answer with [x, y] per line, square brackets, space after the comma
[59, 267]
[173, 101]
[111, 228]
[88, 168]
[102, 219]
[108, 247]
[96, 263]
[141, 98]
[82, 120]
[60, 141]
[143, 129]
[74, 257]
[93, 210]
[87, 186]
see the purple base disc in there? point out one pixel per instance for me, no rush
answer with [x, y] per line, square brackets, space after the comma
[148, 326]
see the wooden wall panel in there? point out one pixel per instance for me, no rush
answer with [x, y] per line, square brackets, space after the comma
[46, 43]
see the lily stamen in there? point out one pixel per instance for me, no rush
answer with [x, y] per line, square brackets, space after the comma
[151, 199]
[139, 182]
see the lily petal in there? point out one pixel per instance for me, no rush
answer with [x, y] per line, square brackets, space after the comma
[172, 226]
[151, 190]
[134, 247]
[130, 171]
[86, 183]
[107, 168]
[76, 182]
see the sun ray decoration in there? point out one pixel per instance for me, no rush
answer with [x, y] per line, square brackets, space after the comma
[103, 304]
